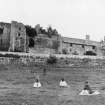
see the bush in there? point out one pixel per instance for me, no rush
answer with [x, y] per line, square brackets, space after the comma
[86, 60]
[75, 53]
[52, 60]
[64, 51]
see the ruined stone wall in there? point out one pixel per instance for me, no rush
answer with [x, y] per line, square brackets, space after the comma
[5, 36]
[44, 44]
[18, 37]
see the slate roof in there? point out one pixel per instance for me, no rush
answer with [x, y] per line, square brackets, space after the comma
[80, 41]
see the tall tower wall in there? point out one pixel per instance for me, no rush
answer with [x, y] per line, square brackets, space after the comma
[17, 37]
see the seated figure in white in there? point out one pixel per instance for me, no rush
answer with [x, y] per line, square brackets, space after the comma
[63, 83]
[37, 84]
[88, 91]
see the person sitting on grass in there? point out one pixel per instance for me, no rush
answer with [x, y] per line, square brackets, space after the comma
[37, 84]
[87, 88]
[63, 83]
[88, 91]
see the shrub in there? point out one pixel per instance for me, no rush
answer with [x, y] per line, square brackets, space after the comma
[52, 60]
[64, 51]
[75, 53]
[86, 60]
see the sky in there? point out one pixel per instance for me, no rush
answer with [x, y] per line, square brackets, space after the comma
[72, 18]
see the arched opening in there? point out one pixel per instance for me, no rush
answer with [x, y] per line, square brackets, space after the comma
[31, 43]
[91, 53]
[1, 31]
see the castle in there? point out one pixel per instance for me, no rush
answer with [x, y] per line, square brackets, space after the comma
[13, 38]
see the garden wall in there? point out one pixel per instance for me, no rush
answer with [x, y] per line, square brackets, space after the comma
[62, 60]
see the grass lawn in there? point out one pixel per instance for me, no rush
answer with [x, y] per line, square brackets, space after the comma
[16, 86]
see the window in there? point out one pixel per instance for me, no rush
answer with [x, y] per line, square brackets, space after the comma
[93, 47]
[1, 30]
[82, 46]
[18, 34]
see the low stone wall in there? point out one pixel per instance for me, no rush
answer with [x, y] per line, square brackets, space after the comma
[63, 60]
[22, 60]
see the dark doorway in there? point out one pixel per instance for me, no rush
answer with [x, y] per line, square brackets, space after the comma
[1, 30]
[31, 43]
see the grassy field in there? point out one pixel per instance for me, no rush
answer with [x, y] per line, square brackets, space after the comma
[16, 86]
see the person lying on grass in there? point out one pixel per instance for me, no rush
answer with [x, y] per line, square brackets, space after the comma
[63, 83]
[37, 84]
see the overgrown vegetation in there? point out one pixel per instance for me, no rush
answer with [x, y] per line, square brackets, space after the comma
[75, 53]
[31, 43]
[51, 60]
[31, 32]
[64, 51]
[49, 31]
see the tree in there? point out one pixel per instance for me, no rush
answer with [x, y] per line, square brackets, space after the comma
[75, 53]
[31, 32]
[51, 60]
[64, 51]
[31, 43]
[51, 31]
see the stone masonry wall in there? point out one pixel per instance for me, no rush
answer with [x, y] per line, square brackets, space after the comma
[18, 37]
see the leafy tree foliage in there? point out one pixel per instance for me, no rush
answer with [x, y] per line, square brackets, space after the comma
[64, 51]
[52, 60]
[31, 32]
[31, 43]
[51, 31]
[75, 53]
[42, 31]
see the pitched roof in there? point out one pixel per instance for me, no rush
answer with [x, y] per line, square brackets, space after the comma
[80, 41]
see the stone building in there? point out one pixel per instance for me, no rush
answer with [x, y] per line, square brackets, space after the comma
[74, 46]
[5, 29]
[44, 44]
[12, 37]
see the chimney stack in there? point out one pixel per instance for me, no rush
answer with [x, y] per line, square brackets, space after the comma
[104, 38]
[87, 37]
